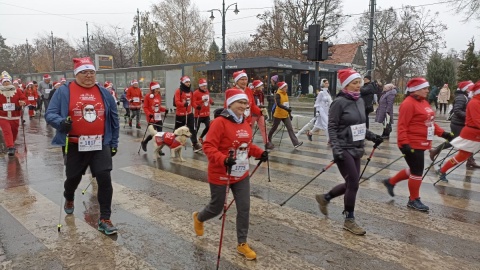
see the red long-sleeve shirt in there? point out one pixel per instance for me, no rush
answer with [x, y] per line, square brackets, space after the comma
[134, 96]
[471, 131]
[414, 118]
[202, 99]
[180, 98]
[152, 105]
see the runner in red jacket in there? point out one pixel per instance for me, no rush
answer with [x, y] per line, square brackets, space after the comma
[184, 115]
[32, 96]
[154, 111]
[469, 140]
[229, 133]
[134, 97]
[201, 104]
[416, 127]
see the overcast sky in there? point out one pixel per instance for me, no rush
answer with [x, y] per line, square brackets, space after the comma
[21, 19]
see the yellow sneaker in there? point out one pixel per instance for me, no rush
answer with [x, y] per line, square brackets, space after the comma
[197, 225]
[246, 251]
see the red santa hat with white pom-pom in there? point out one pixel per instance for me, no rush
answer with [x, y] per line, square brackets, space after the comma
[239, 74]
[234, 94]
[416, 84]
[347, 75]
[79, 64]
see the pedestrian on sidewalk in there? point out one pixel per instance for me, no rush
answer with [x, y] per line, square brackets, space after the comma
[230, 132]
[457, 123]
[201, 102]
[283, 114]
[260, 120]
[469, 140]
[184, 115]
[87, 114]
[415, 130]
[443, 98]
[367, 92]
[433, 96]
[347, 129]
[384, 113]
[32, 96]
[154, 112]
[135, 98]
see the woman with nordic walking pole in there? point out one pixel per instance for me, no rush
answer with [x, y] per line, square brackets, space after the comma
[154, 112]
[347, 130]
[415, 130]
[469, 140]
[230, 132]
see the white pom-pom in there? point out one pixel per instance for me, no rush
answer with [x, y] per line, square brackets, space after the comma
[151, 95]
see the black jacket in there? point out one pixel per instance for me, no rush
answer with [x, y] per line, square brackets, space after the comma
[367, 91]
[459, 108]
[345, 112]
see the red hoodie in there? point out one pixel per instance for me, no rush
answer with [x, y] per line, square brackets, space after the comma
[254, 109]
[153, 106]
[415, 117]
[199, 98]
[134, 96]
[225, 134]
[180, 98]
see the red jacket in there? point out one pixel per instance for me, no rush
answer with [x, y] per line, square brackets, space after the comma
[414, 118]
[198, 100]
[11, 97]
[134, 96]
[29, 94]
[254, 109]
[225, 134]
[152, 105]
[180, 98]
[259, 97]
[471, 131]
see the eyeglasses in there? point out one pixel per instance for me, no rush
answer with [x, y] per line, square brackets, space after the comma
[242, 148]
[87, 72]
[243, 102]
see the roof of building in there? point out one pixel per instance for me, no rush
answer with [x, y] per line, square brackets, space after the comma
[345, 53]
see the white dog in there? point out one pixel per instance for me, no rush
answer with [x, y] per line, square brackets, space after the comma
[175, 141]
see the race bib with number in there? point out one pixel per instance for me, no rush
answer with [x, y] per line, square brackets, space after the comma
[47, 91]
[136, 99]
[157, 116]
[242, 165]
[358, 132]
[89, 143]
[9, 106]
[31, 98]
[430, 133]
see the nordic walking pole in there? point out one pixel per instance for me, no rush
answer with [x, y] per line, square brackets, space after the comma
[85, 190]
[268, 160]
[281, 137]
[458, 165]
[23, 129]
[315, 177]
[224, 216]
[448, 154]
[65, 152]
[254, 170]
[433, 161]
[386, 166]
[375, 146]
[140, 147]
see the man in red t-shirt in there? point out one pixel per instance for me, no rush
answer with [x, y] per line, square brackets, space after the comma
[201, 103]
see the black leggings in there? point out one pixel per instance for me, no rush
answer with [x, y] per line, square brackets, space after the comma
[416, 162]
[206, 121]
[444, 106]
[350, 170]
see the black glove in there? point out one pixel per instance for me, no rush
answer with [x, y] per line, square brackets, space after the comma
[448, 135]
[229, 162]
[131, 100]
[406, 149]
[289, 110]
[118, 103]
[114, 151]
[151, 116]
[338, 156]
[185, 104]
[199, 107]
[377, 140]
[66, 125]
[263, 157]
[213, 103]
[166, 112]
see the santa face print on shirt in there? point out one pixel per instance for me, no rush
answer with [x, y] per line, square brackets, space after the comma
[88, 109]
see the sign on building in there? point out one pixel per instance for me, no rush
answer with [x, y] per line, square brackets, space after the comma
[103, 61]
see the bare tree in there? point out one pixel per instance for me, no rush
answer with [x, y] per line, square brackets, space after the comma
[151, 52]
[403, 39]
[42, 56]
[281, 28]
[469, 8]
[239, 48]
[184, 34]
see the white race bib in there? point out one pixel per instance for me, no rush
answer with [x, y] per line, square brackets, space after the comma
[430, 133]
[157, 116]
[9, 106]
[242, 165]
[136, 99]
[31, 98]
[90, 143]
[47, 91]
[286, 104]
[358, 132]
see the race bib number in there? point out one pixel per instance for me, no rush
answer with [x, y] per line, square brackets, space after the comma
[9, 106]
[157, 116]
[358, 132]
[430, 133]
[242, 165]
[47, 91]
[89, 143]
[136, 99]
[31, 98]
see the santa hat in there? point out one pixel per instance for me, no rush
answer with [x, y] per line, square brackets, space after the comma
[463, 86]
[202, 82]
[184, 79]
[63, 80]
[347, 75]
[475, 88]
[47, 76]
[416, 84]
[154, 85]
[6, 79]
[15, 82]
[29, 83]
[233, 94]
[239, 74]
[257, 83]
[107, 84]
[281, 85]
[133, 82]
[56, 83]
[81, 64]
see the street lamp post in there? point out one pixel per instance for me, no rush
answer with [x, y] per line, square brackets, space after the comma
[28, 57]
[53, 51]
[139, 40]
[224, 53]
[88, 41]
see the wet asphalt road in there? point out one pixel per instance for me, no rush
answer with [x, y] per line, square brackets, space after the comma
[153, 202]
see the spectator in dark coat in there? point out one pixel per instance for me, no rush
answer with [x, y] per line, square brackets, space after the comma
[385, 107]
[366, 93]
[432, 96]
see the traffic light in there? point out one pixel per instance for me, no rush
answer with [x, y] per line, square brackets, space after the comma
[323, 53]
[313, 32]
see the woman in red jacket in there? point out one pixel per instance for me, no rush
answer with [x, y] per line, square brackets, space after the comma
[230, 133]
[201, 104]
[469, 140]
[32, 97]
[154, 111]
[415, 127]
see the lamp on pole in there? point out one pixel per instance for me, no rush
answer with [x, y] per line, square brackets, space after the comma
[224, 53]
[88, 41]
[28, 57]
[139, 40]
[53, 51]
